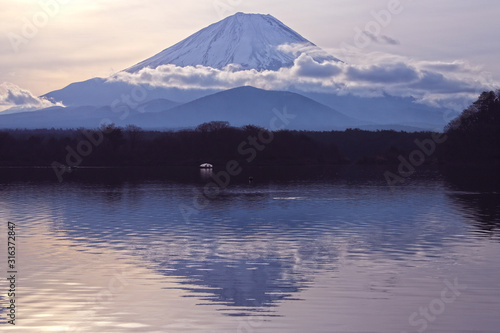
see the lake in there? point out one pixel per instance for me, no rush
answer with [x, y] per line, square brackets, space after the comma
[319, 249]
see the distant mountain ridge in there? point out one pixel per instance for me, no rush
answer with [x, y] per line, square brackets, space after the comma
[251, 106]
[239, 106]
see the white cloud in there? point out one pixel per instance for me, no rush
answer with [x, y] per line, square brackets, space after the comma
[450, 84]
[16, 99]
[307, 67]
[296, 49]
[386, 73]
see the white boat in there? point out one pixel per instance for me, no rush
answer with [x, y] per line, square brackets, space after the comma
[206, 166]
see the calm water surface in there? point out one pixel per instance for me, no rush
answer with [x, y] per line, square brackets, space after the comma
[299, 250]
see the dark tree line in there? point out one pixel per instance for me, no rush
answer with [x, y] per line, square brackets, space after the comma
[214, 142]
[472, 137]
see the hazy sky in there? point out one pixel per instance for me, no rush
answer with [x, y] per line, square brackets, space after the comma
[75, 40]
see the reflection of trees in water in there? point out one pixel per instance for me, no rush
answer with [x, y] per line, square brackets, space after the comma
[482, 210]
[476, 190]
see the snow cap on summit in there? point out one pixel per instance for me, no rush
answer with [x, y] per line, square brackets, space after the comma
[249, 41]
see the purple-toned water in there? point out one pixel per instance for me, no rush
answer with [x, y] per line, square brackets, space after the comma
[298, 250]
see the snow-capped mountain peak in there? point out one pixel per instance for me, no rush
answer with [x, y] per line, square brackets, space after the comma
[250, 41]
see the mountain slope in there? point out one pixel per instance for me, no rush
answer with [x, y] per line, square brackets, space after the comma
[387, 110]
[101, 92]
[157, 105]
[248, 40]
[247, 105]
[59, 117]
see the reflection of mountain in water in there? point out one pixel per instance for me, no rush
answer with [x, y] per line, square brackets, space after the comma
[250, 272]
[239, 283]
[254, 245]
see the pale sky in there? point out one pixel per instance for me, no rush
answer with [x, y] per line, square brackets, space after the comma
[80, 39]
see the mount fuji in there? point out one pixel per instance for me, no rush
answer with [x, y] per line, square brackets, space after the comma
[243, 41]
[250, 41]
[239, 42]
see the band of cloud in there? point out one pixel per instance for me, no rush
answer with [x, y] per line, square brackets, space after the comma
[428, 82]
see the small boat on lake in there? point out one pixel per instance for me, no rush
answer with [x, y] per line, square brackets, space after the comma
[206, 166]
